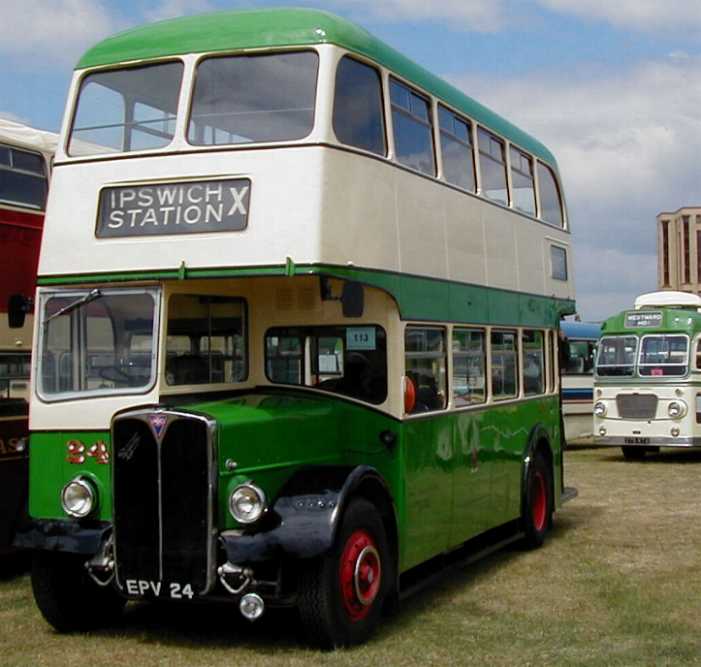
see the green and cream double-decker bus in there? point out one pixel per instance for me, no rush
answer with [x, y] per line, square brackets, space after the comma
[647, 387]
[297, 325]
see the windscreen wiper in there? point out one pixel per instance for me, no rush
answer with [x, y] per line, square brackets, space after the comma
[90, 296]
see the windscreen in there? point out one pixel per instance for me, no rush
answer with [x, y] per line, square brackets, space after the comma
[97, 343]
[616, 355]
[663, 355]
[260, 98]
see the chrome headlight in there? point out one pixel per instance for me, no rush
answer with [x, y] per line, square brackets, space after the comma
[600, 409]
[676, 409]
[247, 503]
[78, 498]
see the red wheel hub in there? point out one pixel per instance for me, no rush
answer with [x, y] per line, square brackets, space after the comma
[539, 501]
[359, 574]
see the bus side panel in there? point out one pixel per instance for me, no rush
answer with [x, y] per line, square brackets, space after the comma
[428, 462]
[463, 472]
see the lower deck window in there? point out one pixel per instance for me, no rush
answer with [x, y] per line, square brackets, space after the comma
[469, 361]
[351, 361]
[533, 363]
[504, 364]
[425, 356]
[206, 340]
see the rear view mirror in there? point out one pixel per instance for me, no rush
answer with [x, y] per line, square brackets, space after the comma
[17, 308]
[353, 299]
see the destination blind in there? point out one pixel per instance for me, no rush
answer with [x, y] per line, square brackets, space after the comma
[193, 207]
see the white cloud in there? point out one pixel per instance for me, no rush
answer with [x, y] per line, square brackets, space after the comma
[640, 14]
[470, 15]
[48, 30]
[8, 115]
[628, 146]
[168, 9]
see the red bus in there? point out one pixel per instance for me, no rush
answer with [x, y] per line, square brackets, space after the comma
[25, 162]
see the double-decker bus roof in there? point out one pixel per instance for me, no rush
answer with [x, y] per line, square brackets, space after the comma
[23, 136]
[277, 28]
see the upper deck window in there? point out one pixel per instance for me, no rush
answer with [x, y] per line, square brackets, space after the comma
[456, 146]
[126, 110]
[492, 158]
[522, 181]
[22, 178]
[358, 117]
[550, 200]
[261, 98]
[413, 134]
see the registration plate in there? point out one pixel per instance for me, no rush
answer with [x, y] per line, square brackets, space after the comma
[159, 589]
[637, 441]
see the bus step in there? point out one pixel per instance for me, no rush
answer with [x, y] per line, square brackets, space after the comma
[422, 576]
[568, 493]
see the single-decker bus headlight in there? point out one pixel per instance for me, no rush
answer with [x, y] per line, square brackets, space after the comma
[247, 503]
[78, 498]
[676, 409]
[599, 409]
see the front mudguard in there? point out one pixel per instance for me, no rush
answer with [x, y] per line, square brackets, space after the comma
[307, 514]
[67, 536]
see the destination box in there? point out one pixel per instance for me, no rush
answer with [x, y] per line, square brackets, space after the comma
[193, 207]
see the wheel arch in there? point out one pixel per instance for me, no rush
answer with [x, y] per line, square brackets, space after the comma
[538, 443]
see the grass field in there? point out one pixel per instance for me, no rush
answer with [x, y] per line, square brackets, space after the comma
[617, 583]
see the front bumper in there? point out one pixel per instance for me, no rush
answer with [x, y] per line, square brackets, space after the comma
[652, 441]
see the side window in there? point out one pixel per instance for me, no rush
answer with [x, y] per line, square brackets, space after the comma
[413, 134]
[23, 180]
[425, 359]
[580, 357]
[469, 362]
[553, 360]
[698, 354]
[358, 117]
[456, 147]
[533, 343]
[206, 341]
[504, 364]
[550, 200]
[558, 262]
[522, 181]
[492, 157]
[351, 361]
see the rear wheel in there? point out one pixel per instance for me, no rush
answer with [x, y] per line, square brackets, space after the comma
[68, 598]
[537, 510]
[342, 594]
[633, 453]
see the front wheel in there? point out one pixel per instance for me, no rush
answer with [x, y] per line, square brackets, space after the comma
[68, 598]
[342, 594]
[536, 515]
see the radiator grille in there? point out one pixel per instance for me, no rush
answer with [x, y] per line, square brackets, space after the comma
[163, 500]
[636, 406]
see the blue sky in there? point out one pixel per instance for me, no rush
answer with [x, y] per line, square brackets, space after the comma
[613, 88]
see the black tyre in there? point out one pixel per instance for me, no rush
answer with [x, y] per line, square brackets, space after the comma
[341, 595]
[537, 507]
[633, 453]
[68, 598]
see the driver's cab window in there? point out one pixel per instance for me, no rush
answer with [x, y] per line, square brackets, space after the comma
[351, 361]
[206, 341]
